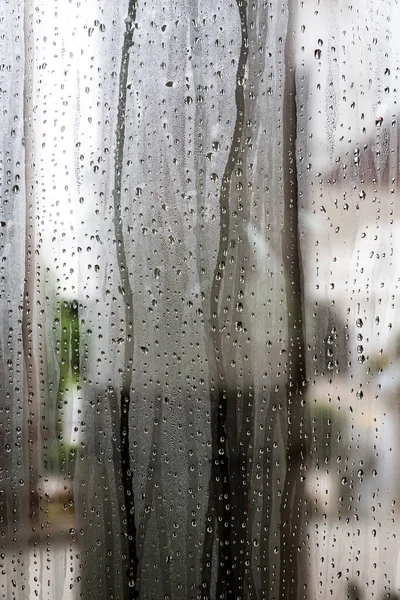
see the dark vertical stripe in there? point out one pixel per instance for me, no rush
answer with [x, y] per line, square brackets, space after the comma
[154, 481]
[113, 544]
[293, 492]
[126, 292]
[220, 471]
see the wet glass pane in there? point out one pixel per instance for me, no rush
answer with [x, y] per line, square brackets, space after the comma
[199, 346]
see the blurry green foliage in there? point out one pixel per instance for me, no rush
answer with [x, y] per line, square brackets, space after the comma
[61, 454]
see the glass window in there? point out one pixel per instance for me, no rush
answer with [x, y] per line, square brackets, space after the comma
[199, 347]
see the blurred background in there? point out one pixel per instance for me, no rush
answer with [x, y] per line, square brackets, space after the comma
[199, 343]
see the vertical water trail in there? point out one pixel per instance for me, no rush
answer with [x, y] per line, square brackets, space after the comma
[293, 492]
[29, 319]
[220, 486]
[127, 295]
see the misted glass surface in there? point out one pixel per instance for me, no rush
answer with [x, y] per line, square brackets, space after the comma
[200, 263]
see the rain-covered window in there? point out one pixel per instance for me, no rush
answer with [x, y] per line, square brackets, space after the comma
[199, 283]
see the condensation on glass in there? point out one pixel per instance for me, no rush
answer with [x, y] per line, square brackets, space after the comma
[199, 342]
